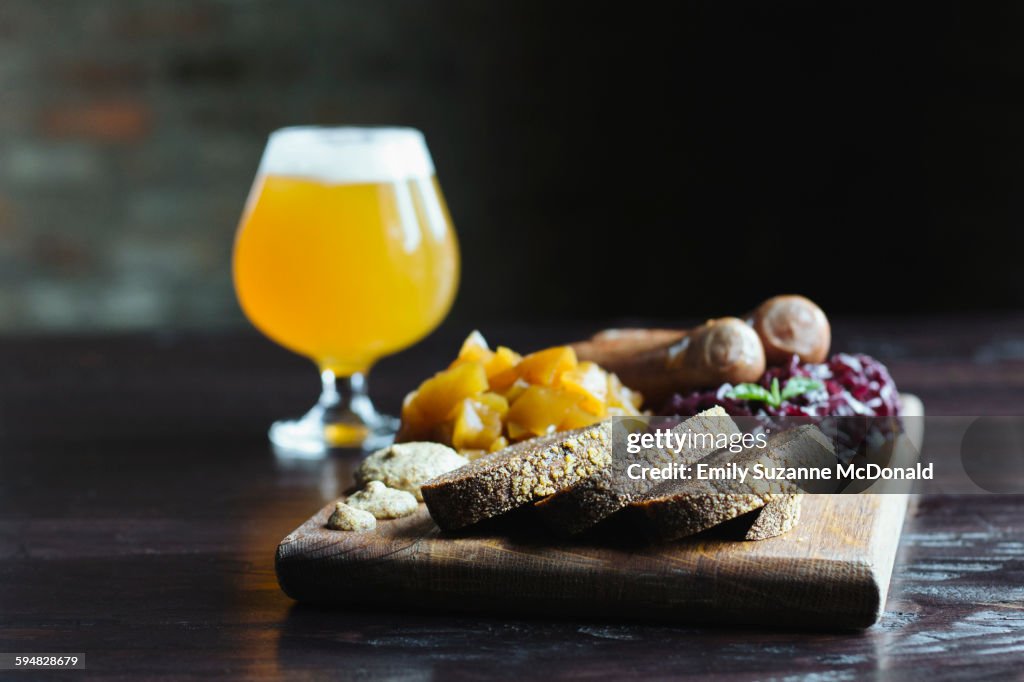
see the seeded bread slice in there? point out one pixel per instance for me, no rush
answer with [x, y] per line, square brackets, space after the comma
[777, 517]
[518, 475]
[679, 516]
[593, 499]
[687, 508]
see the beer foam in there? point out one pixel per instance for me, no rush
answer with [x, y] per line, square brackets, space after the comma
[347, 155]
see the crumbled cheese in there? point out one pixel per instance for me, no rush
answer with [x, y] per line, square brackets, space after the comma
[407, 466]
[383, 502]
[346, 517]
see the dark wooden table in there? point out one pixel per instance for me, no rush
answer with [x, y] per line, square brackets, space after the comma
[140, 506]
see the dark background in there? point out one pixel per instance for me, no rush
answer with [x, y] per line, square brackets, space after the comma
[644, 159]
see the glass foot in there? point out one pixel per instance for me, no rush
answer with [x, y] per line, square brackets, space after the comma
[341, 419]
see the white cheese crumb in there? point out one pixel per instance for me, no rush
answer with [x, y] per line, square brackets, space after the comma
[350, 518]
[407, 466]
[383, 502]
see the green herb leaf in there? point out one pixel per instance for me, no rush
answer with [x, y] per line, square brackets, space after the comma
[800, 385]
[750, 392]
[774, 397]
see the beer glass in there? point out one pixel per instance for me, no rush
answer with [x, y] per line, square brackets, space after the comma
[345, 253]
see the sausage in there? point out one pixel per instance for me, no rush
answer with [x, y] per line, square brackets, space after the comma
[661, 362]
[641, 335]
[611, 346]
[791, 325]
[718, 351]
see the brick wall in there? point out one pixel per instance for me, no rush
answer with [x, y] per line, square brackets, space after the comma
[130, 131]
[732, 149]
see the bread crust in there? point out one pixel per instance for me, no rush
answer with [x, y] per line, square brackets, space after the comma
[679, 516]
[777, 517]
[517, 475]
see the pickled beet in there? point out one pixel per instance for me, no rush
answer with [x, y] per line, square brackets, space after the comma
[853, 386]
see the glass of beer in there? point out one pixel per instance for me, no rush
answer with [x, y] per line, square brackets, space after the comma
[345, 253]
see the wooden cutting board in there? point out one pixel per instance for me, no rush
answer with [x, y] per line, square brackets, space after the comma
[832, 571]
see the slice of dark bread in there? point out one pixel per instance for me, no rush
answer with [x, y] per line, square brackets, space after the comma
[593, 499]
[685, 508]
[775, 518]
[678, 516]
[518, 475]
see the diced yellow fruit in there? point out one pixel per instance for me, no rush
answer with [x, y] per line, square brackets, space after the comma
[442, 392]
[487, 399]
[614, 390]
[517, 388]
[577, 418]
[538, 410]
[466, 423]
[544, 366]
[517, 432]
[414, 424]
[442, 433]
[502, 381]
[475, 426]
[588, 382]
[493, 425]
[620, 396]
[494, 401]
[474, 349]
[409, 397]
[625, 404]
[409, 411]
[501, 361]
[473, 343]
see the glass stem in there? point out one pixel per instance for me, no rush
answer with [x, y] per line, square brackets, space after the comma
[329, 395]
[344, 417]
[344, 397]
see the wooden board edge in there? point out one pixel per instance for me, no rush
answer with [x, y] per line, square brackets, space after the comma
[889, 527]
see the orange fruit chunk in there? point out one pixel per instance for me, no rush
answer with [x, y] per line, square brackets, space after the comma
[537, 411]
[487, 399]
[541, 368]
[476, 426]
[443, 391]
[586, 381]
[501, 361]
[474, 349]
